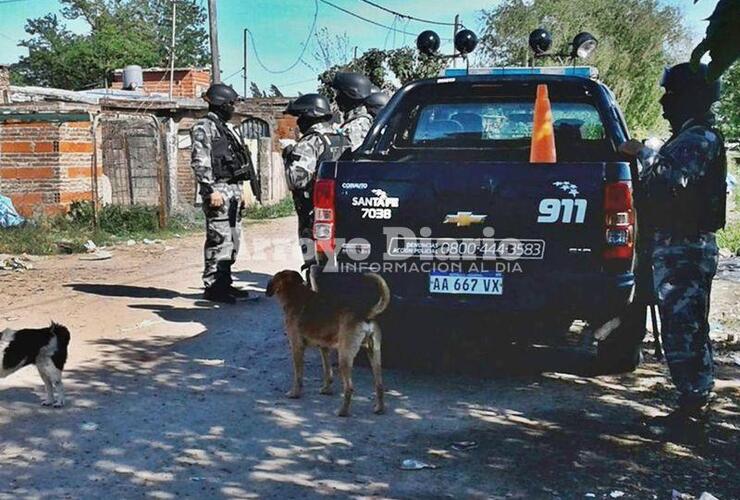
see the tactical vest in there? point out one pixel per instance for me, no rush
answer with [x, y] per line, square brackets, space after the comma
[700, 207]
[229, 159]
[334, 146]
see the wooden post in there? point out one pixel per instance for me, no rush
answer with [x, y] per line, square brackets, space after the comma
[213, 25]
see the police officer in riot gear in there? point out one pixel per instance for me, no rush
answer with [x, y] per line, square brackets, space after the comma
[352, 90]
[376, 102]
[319, 142]
[681, 200]
[221, 164]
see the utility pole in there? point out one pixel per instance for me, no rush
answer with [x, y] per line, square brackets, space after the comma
[355, 52]
[213, 25]
[172, 48]
[245, 63]
[454, 34]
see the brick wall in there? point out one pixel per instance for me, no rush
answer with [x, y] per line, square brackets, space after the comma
[44, 166]
[187, 82]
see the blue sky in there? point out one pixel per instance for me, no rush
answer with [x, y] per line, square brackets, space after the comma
[280, 28]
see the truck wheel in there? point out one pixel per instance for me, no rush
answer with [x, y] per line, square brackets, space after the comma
[621, 351]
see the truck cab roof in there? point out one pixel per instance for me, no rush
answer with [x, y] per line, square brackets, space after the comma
[472, 98]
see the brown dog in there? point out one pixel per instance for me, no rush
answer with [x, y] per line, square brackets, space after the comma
[312, 318]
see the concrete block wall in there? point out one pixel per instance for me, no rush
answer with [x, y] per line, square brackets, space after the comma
[45, 166]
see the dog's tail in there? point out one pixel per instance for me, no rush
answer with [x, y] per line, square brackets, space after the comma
[385, 296]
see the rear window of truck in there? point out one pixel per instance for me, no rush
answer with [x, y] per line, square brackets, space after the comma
[493, 122]
[484, 123]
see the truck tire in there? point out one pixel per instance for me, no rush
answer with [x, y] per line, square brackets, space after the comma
[621, 351]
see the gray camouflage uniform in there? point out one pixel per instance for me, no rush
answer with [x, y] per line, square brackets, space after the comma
[223, 224]
[684, 264]
[357, 124]
[300, 172]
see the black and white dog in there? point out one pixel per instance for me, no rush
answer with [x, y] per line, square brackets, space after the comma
[44, 347]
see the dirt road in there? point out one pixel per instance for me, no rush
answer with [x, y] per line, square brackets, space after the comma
[169, 396]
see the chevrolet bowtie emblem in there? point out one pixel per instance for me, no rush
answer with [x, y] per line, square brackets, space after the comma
[464, 219]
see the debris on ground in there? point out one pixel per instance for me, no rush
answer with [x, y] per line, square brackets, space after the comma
[464, 445]
[90, 246]
[707, 496]
[15, 264]
[130, 243]
[147, 241]
[616, 494]
[8, 215]
[413, 464]
[729, 269]
[89, 426]
[98, 255]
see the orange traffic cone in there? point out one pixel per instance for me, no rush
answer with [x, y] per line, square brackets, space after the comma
[543, 135]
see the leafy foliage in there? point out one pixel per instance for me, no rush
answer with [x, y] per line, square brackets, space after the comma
[722, 39]
[728, 110]
[388, 69]
[121, 33]
[637, 39]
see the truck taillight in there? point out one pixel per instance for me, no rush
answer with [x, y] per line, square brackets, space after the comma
[323, 227]
[619, 222]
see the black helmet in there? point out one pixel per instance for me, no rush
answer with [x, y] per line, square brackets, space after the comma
[219, 94]
[681, 79]
[310, 105]
[355, 86]
[376, 102]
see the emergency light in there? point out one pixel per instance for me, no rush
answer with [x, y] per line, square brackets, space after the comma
[582, 71]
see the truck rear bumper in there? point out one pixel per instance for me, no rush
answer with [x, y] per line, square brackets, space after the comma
[576, 296]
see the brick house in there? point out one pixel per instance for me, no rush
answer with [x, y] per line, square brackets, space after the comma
[121, 147]
[187, 82]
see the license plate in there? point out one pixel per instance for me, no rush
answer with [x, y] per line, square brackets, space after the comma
[466, 284]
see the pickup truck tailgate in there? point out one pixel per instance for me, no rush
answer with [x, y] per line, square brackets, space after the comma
[536, 224]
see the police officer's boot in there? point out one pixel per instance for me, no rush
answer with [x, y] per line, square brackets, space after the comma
[687, 422]
[219, 292]
[238, 293]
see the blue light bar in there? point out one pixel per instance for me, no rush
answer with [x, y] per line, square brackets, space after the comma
[580, 71]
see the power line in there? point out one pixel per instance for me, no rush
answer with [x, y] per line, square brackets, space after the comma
[364, 18]
[303, 51]
[406, 16]
[12, 1]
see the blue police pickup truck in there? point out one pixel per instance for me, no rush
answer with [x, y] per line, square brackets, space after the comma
[444, 202]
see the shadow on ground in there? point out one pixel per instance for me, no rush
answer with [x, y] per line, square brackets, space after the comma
[206, 417]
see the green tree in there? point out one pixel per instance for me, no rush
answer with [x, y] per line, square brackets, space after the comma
[728, 110]
[121, 33]
[386, 68]
[637, 39]
[722, 39]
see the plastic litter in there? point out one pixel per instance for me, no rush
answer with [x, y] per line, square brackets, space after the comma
[8, 215]
[616, 494]
[707, 496]
[89, 426]
[130, 243]
[90, 246]
[413, 464]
